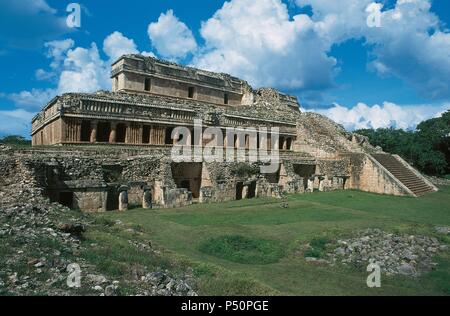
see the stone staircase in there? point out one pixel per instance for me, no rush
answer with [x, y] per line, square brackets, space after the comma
[413, 181]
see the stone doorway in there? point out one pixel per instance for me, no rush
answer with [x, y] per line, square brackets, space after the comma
[305, 171]
[188, 176]
[146, 134]
[121, 131]
[252, 190]
[86, 131]
[239, 189]
[66, 199]
[103, 131]
[273, 178]
[112, 200]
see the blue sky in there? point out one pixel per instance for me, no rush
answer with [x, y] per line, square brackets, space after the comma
[322, 51]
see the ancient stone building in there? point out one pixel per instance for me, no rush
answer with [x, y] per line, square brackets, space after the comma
[111, 150]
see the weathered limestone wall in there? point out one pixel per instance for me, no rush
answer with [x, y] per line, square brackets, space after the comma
[131, 72]
[368, 175]
[49, 134]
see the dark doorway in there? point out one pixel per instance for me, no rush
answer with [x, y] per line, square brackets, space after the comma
[281, 143]
[289, 144]
[306, 172]
[112, 201]
[66, 199]
[85, 131]
[169, 140]
[121, 133]
[147, 84]
[239, 188]
[103, 131]
[274, 178]
[191, 92]
[188, 176]
[146, 134]
[252, 190]
[185, 184]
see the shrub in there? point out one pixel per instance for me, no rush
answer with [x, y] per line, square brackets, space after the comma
[243, 249]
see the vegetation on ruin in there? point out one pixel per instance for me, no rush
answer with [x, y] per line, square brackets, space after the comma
[213, 239]
[427, 148]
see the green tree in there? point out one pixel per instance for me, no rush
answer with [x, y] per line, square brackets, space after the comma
[427, 148]
[15, 140]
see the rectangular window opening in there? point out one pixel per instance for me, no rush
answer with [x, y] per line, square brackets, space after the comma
[191, 92]
[148, 84]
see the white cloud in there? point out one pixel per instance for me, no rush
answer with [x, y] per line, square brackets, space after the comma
[410, 44]
[76, 69]
[56, 50]
[84, 71]
[258, 41]
[171, 37]
[16, 122]
[116, 45]
[41, 74]
[386, 115]
[34, 98]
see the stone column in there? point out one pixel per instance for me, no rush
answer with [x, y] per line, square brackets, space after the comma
[147, 198]
[245, 192]
[123, 198]
[310, 187]
[322, 183]
[93, 131]
[127, 133]
[113, 133]
[140, 134]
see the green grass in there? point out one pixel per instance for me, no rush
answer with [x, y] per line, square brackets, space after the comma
[243, 249]
[256, 247]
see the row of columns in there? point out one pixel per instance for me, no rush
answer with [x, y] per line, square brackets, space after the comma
[132, 133]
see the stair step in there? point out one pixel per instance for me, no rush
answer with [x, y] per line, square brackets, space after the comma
[408, 178]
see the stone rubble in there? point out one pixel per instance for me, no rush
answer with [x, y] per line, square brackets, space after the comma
[396, 254]
[39, 240]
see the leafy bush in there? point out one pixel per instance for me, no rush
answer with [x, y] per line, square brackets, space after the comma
[243, 249]
[317, 247]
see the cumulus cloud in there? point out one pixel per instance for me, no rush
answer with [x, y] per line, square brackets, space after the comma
[84, 71]
[260, 42]
[56, 51]
[410, 44]
[387, 115]
[15, 122]
[75, 69]
[34, 98]
[116, 45]
[171, 37]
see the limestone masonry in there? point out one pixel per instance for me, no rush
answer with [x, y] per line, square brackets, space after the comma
[112, 150]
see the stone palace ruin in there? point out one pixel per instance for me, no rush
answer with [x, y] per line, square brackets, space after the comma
[112, 150]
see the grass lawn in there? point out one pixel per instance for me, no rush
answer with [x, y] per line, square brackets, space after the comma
[213, 239]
